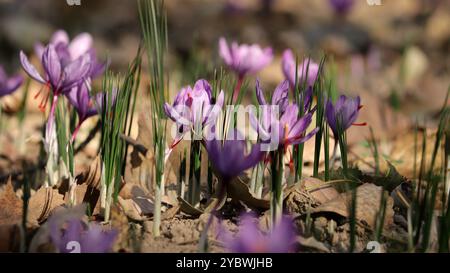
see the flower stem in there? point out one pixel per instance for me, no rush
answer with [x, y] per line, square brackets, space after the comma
[157, 209]
[75, 132]
[237, 88]
[277, 189]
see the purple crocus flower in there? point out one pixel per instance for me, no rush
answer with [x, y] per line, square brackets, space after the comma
[280, 96]
[85, 104]
[77, 237]
[229, 157]
[194, 108]
[69, 51]
[9, 84]
[60, 76]
[341, 7]
[289, 129]
[343, 114]
[244, 59]
[308, 70]
[281, 239]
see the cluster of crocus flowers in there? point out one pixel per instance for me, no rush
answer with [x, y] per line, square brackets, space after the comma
[250, 239]
[307, 72]
[194, 108]
[9, 84]
[70, 234]
[244, 59]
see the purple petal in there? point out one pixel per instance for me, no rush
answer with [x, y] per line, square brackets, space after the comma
[52, 66]
[80, 45]
[224, 51]
[76, 72]
[259, 94]
[30, 69]
[11, 85]
[60, 37]
[281, 96]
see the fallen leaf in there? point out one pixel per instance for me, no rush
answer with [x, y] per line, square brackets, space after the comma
[92, 176]
[187, 208]
[41, 204]
[11, 212]
[320, 190]
[131, 209]
[298, 200]
[239, 191]
[368, 199]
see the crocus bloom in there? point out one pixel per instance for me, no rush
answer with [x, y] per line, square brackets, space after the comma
[280, 96]
[343, 114]
[306, 71]
[85, 105]
[244, 59]
[9, 84]
[289, 129]
[71, 50]
[194, 108]
[60, 76]
[229, 157]
[77, 237]
[281, 239]
[341, 6]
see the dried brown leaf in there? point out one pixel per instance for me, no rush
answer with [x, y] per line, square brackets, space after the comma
[11, 205]
[368, 198]
[42, 203]
[239, 191]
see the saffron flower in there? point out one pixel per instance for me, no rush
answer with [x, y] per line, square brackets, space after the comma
[343, 114]
[70, 50]
[194, 108]
[229, 158]
[281, 239]
[244, 59]
[85, 104]
[78, 237]
[60, 76]
[9, 84]
[280, 95]
[341, 7]
[306, 71]
[289, 129]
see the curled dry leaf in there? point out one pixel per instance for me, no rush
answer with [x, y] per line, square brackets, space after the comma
[321, 191]
[187, 208]
[41, 204]
[239, 191]
[92, 176]
[368, 199]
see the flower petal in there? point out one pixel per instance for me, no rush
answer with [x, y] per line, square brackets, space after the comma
[30, 69]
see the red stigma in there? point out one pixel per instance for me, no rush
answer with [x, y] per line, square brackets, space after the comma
[359, 124]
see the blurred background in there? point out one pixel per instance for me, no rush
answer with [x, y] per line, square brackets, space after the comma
[394, 55]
